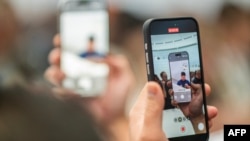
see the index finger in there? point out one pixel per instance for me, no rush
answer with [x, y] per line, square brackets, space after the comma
[171, 92]
[207, 89]
[198, 86]
[57, 40]
[54, 56]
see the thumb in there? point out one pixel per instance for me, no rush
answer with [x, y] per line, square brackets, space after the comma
[146, 114]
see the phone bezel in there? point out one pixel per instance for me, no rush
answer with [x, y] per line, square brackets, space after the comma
[75, 5]
[186, 24]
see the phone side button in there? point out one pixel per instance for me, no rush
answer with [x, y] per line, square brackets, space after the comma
[148, 70]
[146, 46]
[146, 57]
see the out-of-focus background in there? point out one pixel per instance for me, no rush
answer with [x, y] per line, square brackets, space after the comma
[225, 39]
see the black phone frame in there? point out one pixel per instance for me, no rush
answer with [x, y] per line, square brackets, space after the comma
[160, 26]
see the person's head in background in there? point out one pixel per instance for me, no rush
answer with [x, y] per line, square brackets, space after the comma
[234, 25]
[13, 70]
[229, 75]
[122, 27]
[27, 115]
[164, 76]
[8, 28]
[198, 74]
[156, 78]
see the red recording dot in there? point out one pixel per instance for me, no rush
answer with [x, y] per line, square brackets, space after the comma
[183, 128]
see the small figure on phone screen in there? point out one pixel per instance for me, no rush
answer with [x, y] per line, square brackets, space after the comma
[91, 52]
[183, 81]
[197, 77]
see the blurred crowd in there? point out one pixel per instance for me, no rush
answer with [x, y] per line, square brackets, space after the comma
[27, 30]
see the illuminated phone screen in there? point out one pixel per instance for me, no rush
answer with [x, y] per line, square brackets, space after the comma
[180, 76]
[175, 61]
[84, 36]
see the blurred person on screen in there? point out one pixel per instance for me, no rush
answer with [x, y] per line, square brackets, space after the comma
[197, 77]
[91, 51]
[183, 81]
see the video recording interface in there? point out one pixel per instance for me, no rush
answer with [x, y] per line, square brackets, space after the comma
[177, 55]
[180, 76]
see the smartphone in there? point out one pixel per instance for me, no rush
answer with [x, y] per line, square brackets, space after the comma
[180, 76]
[84, 33]
[172, 46]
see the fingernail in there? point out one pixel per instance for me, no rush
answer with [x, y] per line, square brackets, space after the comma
[151, 91]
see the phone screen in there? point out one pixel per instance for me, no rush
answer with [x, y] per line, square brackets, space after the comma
[84, 36]
[174, 53]
[180, 76]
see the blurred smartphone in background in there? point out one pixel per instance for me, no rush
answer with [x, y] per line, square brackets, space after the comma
[84, 32]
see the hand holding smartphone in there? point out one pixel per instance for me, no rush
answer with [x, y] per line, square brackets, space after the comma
[172, 46]
[84, 31]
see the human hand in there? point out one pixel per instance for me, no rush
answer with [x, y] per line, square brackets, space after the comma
[169, 84]
[111, 105]
[146, 114]
[193, 108]
[187, 86]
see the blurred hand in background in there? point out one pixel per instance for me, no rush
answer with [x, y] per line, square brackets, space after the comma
[108, 109]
